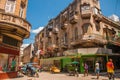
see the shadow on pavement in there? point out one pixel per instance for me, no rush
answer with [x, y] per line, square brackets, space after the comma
[116, 75]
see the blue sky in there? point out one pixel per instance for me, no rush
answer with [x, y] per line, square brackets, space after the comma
[39, 12]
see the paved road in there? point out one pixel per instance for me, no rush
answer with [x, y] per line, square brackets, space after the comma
[63, 76]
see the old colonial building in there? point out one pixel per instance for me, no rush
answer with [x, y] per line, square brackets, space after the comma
[81, 29]
[27, 54]
[13, 29]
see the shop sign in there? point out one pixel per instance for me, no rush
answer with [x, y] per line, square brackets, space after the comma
[8, 50]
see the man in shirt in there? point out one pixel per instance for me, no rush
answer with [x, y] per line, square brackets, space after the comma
[97, 69]
[110, 69]
[13, 65]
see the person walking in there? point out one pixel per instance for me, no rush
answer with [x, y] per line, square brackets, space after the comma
[85, 69]
[97, 69]
[13, 64]
[110, 69]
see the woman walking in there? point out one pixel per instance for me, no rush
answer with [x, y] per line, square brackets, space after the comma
[85, 69]
[110, 69]
[97, 69]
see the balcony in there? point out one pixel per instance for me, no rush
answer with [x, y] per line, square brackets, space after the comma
[52, 47]
[115, 40]
[12, 22]
[86, 14]
[64, 46]
[88, 40]
[85, 10]
[49, 35]
[97, 17]
[64, 26]
[50, 28]
[73, 19]
[95, 37]
[55, 30]
[64, 18]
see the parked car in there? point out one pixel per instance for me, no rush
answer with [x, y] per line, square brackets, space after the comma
[29, 69]
[54, 69]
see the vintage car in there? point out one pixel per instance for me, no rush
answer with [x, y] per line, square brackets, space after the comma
[54, 69]
[29, 69]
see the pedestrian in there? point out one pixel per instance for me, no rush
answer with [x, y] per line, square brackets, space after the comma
[76, 71]
[110, 69]
[97, 69]
[13, 64]
[85, 69]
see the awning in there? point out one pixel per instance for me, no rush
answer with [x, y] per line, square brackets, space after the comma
[7, 50]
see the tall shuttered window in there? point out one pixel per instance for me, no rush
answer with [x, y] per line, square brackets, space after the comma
[10, 6]
[87, 28]
[21, 12]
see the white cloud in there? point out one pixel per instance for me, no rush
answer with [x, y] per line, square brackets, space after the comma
[114, 17]
[37, 30]
[24, 46]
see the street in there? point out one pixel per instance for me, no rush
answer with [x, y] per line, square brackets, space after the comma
[65, 76]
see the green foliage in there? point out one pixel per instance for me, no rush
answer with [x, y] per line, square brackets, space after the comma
[70, 68]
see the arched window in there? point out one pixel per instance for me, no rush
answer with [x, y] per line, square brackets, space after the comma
[87, 28]
[10, 6]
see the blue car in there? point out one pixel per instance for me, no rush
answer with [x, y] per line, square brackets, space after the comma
[29, 69]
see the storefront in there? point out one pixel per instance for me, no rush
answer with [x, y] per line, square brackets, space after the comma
[91, 59]
[9, 58]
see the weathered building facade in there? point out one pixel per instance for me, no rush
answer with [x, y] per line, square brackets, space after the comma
[27, 54]
[13, 29]
[80, 29]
